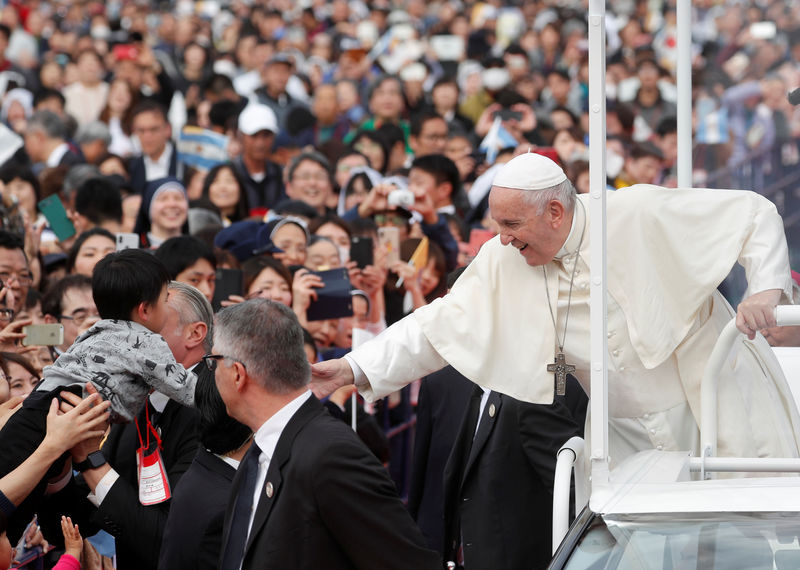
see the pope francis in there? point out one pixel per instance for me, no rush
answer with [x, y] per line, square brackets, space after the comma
[516, 310]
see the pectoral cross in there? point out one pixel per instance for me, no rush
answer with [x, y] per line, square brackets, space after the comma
[560, 369]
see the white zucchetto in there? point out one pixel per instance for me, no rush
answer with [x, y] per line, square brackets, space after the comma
[529, 171]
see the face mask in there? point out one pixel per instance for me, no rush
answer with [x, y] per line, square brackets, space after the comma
[614, 163]
[344, 253]
[495, 78]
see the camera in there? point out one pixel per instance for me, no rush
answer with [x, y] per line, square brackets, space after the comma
[401, 197]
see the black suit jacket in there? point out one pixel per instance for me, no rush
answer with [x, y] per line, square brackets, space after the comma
[138, 173]
[266, 193]
[498, 484]
[333, 505]
[441, 406]
[71, 158]
[193, 533]
[138, 529]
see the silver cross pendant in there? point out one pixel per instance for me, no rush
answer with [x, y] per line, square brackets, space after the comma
[560, 369]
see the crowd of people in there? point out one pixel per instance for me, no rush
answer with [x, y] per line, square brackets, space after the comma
[335, 159]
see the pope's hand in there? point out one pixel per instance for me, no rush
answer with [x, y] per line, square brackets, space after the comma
[329, 375]
[757, 312]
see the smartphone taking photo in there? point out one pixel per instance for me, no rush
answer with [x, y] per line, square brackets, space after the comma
[333, 298]
[227, 282]
[43, 335]
[361, 251]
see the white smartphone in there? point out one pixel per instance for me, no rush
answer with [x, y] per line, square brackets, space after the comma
[43, 335]
[127, 241]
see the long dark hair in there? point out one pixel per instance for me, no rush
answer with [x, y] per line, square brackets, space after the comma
[242, 207]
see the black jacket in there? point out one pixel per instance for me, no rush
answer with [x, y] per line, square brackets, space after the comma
[266, 193]
[138, 173]
[138, 529]
[441, 407]
[499, 480]
[332, 505]
[193, 534]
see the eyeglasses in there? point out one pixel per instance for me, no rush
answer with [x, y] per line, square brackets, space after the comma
[434, 137]
[383, 219]
[6, 315]
[210, 360]
[79, 316]
[24, 279]
[307, 177]
[367, 146]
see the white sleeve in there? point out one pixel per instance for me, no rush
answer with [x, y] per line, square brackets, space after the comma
[764, 254]
[103, 487]
[393, 359]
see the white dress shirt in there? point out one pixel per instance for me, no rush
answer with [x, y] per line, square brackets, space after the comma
[267, 438]
[159, 168]
[57, 154]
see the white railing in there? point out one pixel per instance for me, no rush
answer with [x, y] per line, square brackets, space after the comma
[569, 457]
[788, 315]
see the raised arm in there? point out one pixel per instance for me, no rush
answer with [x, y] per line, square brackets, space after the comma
[86, 420]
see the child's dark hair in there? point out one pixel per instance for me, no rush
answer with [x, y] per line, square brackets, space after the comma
[441, 168]
[123, 279]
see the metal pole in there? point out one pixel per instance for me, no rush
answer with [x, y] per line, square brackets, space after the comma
[597, 213]
[684, 78]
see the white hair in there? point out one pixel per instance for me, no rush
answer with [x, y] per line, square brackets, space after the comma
[564, 192]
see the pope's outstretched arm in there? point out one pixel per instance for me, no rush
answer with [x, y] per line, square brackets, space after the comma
[328, 376]
[393, 359]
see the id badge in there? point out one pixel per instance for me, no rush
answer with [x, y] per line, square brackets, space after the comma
[153, 483]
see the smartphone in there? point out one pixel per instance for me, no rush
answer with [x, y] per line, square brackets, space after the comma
[361, 251]
[43, 335]
[333, 299]
[127, 241]
[508, 114]
[228, 282]
[56, 215]
[389, 240]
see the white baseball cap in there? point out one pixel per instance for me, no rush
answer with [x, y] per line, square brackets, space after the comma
[257, 117]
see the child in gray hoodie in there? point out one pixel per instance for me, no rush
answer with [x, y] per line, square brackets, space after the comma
[123, 355]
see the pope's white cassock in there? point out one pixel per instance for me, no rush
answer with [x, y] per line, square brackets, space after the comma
[668, 250]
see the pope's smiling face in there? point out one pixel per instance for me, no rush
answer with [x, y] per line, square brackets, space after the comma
[538, 237]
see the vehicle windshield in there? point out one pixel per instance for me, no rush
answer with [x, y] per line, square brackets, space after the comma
[724, 541]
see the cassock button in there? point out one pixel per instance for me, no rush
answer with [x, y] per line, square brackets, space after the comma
[269, 489]
[492, 410]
